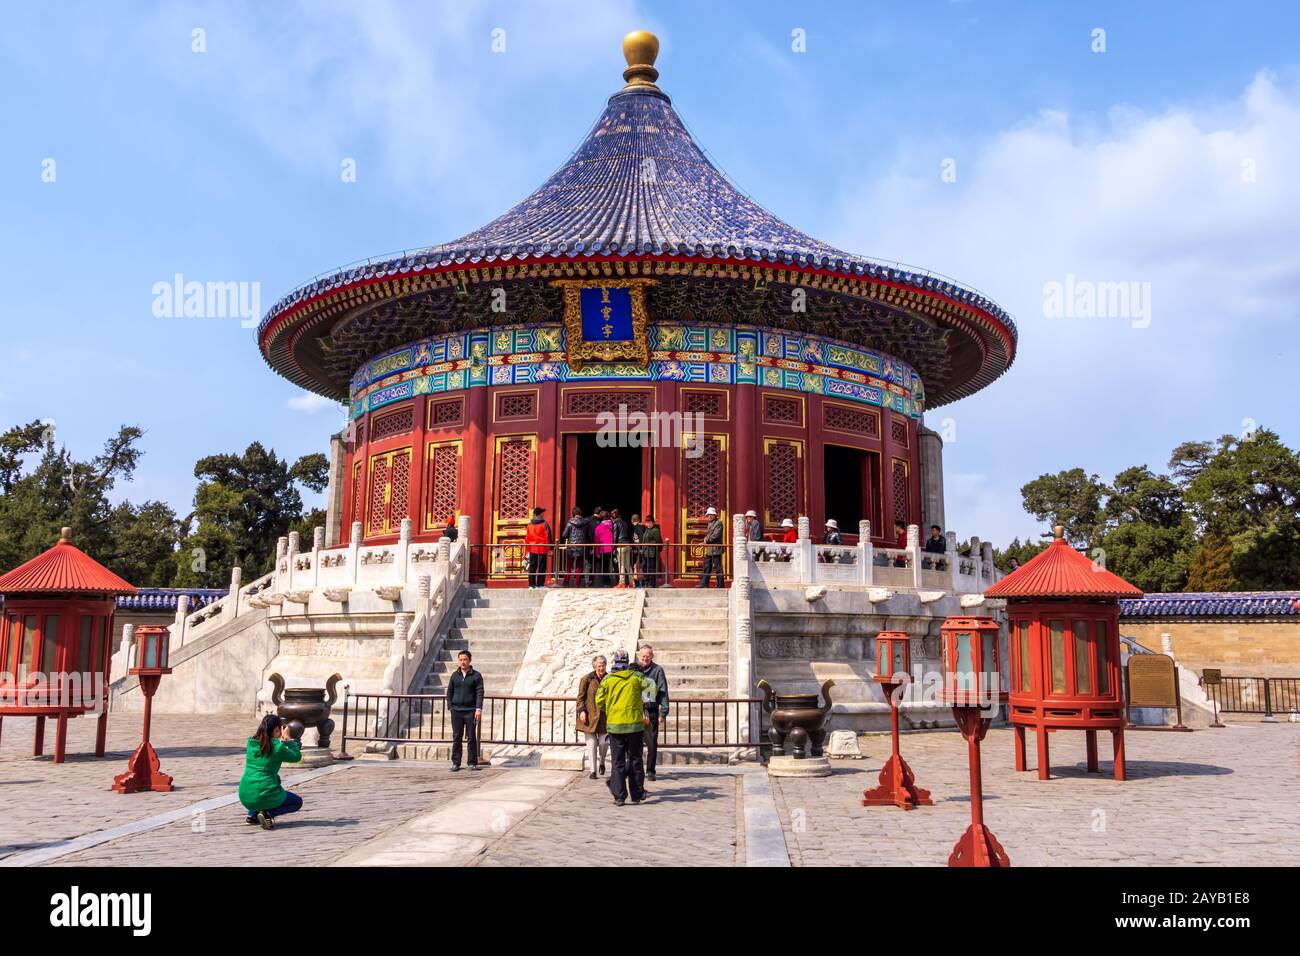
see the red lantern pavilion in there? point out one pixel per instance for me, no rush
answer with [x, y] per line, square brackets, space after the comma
[56, 638]
[637, 279]
[1064, 636]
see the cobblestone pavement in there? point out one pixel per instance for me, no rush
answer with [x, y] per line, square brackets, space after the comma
[690, 819]
[1225, 797]
[1209, 797]
[45, 802]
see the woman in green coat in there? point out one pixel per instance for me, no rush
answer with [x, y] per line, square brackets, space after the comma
[259, 788]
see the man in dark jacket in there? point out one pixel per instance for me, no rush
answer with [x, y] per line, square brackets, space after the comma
[937, 544]
[652, 542]
[713, 548]
[657, 709]
[578, 534]
[465, 701]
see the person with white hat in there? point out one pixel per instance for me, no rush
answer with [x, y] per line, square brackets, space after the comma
[789, 534]
[753, 527]
[832, 532]
[713, 548]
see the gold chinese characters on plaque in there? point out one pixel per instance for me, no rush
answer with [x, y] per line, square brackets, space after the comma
[605, 320]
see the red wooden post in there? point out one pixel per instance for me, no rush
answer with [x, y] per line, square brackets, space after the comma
[977, 846]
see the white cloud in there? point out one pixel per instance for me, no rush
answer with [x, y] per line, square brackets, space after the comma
[310, 403]
[1131, 196]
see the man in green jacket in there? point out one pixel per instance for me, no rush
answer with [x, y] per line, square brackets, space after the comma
[619, 699]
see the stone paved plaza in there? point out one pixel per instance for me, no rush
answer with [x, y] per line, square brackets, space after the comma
[1209, 797]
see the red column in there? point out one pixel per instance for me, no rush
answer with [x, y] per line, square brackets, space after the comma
[746, 456]
[474, 493]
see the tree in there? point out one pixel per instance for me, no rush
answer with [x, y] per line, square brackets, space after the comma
[1211, 567]
[60, 491]
[1147, 536]
[1188, 459]
[1021, 553]
[1071, 498]
[243, 505]
[1248, 495]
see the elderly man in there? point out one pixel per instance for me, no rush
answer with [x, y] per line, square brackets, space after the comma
[619, 698]
[656, 705]
[713, 548]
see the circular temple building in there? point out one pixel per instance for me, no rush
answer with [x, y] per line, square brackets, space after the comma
[639, 292]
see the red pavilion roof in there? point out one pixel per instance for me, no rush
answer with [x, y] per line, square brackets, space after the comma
[64, 568]
[1060, 571]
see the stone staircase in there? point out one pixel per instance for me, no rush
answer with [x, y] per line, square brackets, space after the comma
[688, 630]
[494, 625]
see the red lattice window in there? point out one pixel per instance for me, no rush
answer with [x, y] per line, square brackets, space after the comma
[393, 423]
[514, 479]
[782, 411]
[517, 405]
[901, 488]
[898, 432]
[390, 488]
[446, 413]
[593, 403]
[443, 494]
[783, 478]
[704, 479]
[358, 495]
[841, 418]
[708, 404]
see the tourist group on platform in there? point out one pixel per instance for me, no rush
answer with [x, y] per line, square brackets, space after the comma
[606, 550]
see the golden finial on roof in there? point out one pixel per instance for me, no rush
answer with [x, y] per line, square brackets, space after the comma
[65, 536]
[1059, 532]
[640, 48]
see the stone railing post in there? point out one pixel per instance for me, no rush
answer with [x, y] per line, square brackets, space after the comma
[914, 549]
[295, 548]
[401, 630]
[354, 549]
[804, 551]
[232, 603]
[424, 588]
[281, 550]
[463, 529]
[739, 546]
[403, 548]
[443, 552]
[317, 546]
[122, 659]
[177, 637]
[866, 553]
[742, 650]
[986, 559]
[953, 558]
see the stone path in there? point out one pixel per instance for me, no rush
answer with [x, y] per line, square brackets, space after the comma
[690, 819]
[1209, 797]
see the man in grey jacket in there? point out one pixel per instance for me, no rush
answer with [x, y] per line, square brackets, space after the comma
[713, 548]
[655, 710]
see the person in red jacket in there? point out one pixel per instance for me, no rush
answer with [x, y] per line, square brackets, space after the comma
[538, 540]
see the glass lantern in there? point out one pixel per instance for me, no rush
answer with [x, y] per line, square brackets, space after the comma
[151, 647]
[972, 668]
[895, 656]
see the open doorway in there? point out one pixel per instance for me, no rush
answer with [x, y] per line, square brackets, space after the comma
[609, 477]
[848, 476]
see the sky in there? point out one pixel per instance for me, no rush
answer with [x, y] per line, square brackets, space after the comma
[1020, 148]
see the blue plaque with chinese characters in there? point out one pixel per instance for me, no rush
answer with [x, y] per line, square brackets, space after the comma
[607, 314]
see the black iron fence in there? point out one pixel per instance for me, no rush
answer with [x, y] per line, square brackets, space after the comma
[1256, 695]
[692, 723]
